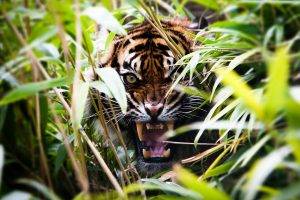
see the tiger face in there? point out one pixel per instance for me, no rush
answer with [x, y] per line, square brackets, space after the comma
[147, 67]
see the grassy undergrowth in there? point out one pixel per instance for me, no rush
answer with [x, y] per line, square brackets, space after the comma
[248, 61]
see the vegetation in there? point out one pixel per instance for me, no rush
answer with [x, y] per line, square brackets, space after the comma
[248, 59]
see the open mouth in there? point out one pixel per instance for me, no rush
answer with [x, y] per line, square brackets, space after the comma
[152, 136]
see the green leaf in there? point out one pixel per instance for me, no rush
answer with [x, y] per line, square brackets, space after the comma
[155, 184]
[193, 91]
[103, 17]
[101, 87]
[60, 158]
[236, 62]
[190, 181]
[241, 90]
[293, 115]
[79, 101]
[40, 188]
[221, 169]
[211, 125]
[290, 192]
[134, 3]
[20, 195]
[212, 4]
[27, 90]
[107, 4]
[1, 162]
[49, 50]
[168, 197]
[248, 155]
[293, 139]
[262, 169]
[115, 85]
[277, 87]
[250, 29]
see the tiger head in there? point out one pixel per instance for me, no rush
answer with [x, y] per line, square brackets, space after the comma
[147, 67]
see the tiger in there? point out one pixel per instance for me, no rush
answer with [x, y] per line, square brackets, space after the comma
[147, 67]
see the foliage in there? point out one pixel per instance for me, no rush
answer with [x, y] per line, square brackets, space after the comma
[248, 62]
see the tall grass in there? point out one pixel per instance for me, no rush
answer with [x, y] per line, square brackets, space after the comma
[248, 65]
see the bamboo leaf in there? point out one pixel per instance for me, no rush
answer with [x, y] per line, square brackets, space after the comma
[202, 188]
[221, 169]
[277, 87]
[20, 195]
[248, 155]
[212, 4]
[241, 90]
[262, 169]
[29, 89]
[236, 62]
[212, 125]
[290, 192]
[250, 29]
[115, 85]
[60, 158]
[155, 184]
[101, 87]
[103, 17]
[80, 98]
[40, 188]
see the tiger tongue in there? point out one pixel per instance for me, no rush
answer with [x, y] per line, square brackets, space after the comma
[153, 149]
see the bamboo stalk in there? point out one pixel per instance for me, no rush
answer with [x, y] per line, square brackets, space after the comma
[119, 135]
[43, 161]
[101, 161]
[35, 63]
[33, 58]
[76, 83]
[66, 52]
[75, 165]
[106, 134]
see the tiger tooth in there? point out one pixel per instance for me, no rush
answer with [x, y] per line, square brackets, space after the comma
[170, 125]
[148, 126]
[139, 128]
[160, 126]
[166, 153]
[146, 153]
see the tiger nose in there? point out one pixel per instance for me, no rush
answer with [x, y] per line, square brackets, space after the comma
[154, 109]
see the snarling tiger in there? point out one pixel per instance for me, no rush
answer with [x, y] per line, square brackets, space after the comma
[146, 64]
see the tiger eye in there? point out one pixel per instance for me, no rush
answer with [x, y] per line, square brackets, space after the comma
[130, 78]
